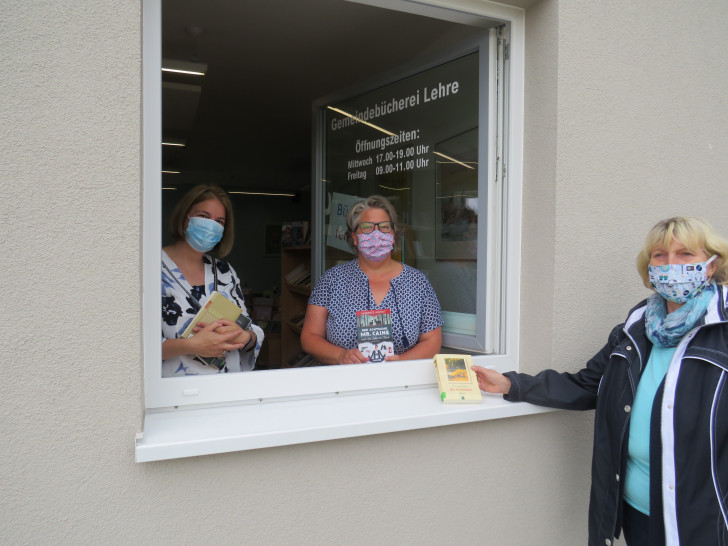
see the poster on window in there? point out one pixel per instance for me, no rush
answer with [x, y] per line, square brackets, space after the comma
[338, 209]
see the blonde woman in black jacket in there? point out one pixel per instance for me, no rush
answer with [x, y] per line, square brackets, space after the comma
[660, 390]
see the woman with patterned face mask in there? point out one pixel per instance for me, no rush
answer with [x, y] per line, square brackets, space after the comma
[660, 390]
[373, 281]
[202, 226]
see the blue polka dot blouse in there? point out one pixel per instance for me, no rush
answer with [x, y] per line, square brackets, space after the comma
[344, 289]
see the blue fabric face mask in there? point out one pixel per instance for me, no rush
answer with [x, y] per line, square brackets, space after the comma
[203, 234]
[679, 282]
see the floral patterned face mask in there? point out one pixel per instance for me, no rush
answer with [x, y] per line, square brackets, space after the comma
[679, 282]
[375, 246]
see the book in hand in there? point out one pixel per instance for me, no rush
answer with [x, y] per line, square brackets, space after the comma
[456, 379]
[374, 334]
[215, 308]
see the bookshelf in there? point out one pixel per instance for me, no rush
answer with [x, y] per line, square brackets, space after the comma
[295, 290]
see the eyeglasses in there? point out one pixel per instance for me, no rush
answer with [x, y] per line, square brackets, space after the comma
[368, 227]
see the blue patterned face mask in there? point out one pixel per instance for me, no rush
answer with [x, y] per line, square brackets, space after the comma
[679, 282]
[203, 234]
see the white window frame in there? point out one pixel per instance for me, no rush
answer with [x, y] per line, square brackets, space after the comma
[178, 409]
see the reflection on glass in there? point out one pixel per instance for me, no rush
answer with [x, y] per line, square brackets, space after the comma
[426, 164]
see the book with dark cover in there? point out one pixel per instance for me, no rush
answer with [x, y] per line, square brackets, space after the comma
[374, 334]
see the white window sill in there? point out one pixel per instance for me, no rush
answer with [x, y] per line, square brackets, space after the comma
[203, 431]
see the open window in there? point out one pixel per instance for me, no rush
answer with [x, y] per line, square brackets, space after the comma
[447, 170]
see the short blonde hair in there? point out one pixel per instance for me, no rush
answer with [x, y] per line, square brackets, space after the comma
[695, 234]
[371, 202]
[198, 194]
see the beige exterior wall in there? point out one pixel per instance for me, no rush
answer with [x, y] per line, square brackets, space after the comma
[626, 123]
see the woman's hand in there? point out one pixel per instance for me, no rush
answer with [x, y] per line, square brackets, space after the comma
[492, 381]
[228, 327]
[314, 342]
[352, 356]
[217, 338]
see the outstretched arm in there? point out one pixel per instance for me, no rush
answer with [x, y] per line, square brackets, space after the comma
[492, 381]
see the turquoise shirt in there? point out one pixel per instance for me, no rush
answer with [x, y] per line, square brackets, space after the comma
[637, 480]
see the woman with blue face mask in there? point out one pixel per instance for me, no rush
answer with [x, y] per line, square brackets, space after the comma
[374, 281]
[660, 390]
[202, 226]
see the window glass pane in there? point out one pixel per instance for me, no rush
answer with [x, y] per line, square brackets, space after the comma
[417, 205]
[415, 141]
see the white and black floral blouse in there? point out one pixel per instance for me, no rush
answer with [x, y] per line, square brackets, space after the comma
[178, 310]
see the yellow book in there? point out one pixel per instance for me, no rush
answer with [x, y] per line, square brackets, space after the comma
[456, 380]
[215, 308]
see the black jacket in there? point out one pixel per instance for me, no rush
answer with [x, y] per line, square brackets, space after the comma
[689, 432]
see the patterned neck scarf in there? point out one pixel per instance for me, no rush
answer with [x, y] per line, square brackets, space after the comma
[666, 330]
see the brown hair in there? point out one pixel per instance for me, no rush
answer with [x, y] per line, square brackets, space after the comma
[695, 234]
[198, 194]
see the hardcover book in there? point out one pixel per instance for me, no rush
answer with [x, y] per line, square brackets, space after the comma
[456, 380]
[374, 334]
[215, 308]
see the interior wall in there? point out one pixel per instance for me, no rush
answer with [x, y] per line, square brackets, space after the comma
[625, 124]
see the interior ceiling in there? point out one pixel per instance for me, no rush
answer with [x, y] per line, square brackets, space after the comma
[247, 122]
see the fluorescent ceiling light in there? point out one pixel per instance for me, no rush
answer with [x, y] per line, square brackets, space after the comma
[263, 193]
[395, 189]
[465, 195]
[170, 172]
[454, 160]
[390, 133]
[184, 67]
[174, 142]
